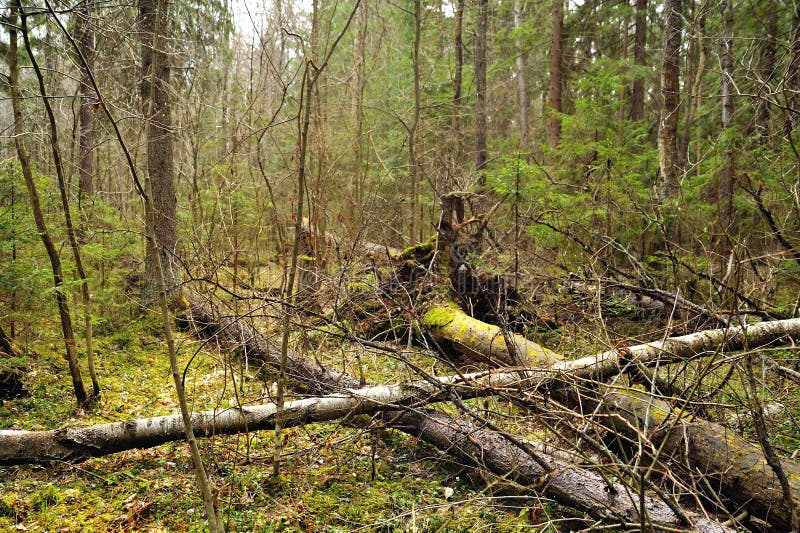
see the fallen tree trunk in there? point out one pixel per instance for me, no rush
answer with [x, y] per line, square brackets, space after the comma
[76, 444]
[701, 343]
[605, 500]
[235, 333]
[574, 486]
[755, 488]
[738, 467]
[483, 342]
[567, 483]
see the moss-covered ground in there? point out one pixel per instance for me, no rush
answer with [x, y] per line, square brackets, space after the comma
[333, 478]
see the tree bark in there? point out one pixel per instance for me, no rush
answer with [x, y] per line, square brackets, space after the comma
[72, 233]
[485, 343]
[670, 92]
[87, 100]
[767, 68]
[568, 483]
[577, 487]
[413, 165]
[554, 84]
[737, 466]
[792, 88]
[639, 59]
[720, 454]
[234, 332]
[359, 83]
[727, 172]
[38, 215]
[698, 47]
[480, 88]
[77, 444]
[457, 75]
[522, 91]
[154, 90]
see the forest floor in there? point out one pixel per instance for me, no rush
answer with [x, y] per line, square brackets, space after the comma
[334, 477]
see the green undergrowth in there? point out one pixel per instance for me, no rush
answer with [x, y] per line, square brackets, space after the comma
[333, 478]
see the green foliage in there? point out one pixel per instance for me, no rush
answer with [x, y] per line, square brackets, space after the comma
[24, 270]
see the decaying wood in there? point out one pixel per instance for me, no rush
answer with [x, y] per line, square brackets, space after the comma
[736, 465]
[570, 484]
[738, 468]
[583, 489]
[483, 342]
[234, 332]
[76, 444]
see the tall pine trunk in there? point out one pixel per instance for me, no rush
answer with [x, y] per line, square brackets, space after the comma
[554, 85]
[726, 176]
[413, 164]
[160, 169]
[767, 68]
[639, 59]
[670, 92]
[457, 80]
[480, 87]
[522, 97]
[87, 106]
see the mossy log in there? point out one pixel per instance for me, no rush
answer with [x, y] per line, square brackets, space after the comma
[572, 485]
[236, 333]
[736, 466]
[486, 343]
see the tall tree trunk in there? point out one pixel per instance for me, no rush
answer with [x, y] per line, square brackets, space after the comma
[72, 233]
[38, 215]
[413, 164]
[698, 48]
[318, 170]
[87, 105]
[793, 77]
[639, 59]
[480, 87]
[767, 73]
[726, 177]
[156, 110]
[554, 84]
[522, 96]
[359, 164]
[160, 283]
[457, 80]
[670, 92]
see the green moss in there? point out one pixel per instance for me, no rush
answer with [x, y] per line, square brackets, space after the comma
[420, 252]
[438, 317]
